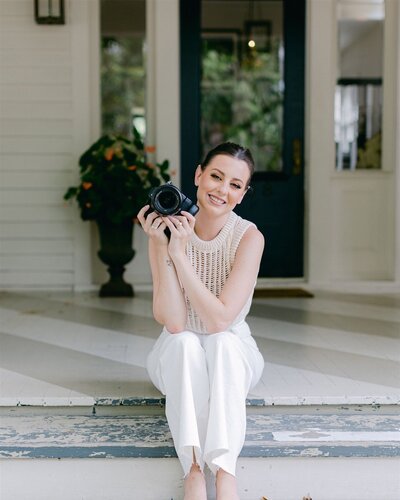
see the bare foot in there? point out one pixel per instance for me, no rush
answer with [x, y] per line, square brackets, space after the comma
[226, 486]
[195, 484]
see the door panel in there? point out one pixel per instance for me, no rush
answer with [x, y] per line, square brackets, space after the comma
[261, 108]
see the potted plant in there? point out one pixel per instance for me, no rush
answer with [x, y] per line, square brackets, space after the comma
[115, 179]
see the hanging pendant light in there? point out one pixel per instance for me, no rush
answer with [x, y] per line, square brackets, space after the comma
[251, 43]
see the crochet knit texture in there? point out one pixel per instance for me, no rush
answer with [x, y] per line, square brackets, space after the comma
[213, 261]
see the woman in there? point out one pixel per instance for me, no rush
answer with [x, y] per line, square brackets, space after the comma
[205, 360]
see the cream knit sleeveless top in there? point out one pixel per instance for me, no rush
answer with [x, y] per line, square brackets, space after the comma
[213, 261]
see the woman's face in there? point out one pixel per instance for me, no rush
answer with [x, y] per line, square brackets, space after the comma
[222, 184]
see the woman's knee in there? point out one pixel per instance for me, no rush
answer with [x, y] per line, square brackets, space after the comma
[183, 341]
[225, 349]
[222, 340]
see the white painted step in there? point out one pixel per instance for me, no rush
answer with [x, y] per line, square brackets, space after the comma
[160, 479]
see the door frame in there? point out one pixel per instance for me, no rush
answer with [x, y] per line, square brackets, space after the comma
[190, 81]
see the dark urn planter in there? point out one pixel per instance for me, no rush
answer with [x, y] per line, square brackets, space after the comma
[116, 251]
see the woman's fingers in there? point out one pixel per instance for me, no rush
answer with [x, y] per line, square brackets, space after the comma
[141, 213]
[171, 224]
[189, 218]
[179, 222]
[150, 222]
[154, 222]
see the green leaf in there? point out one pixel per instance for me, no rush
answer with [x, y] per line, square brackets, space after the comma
[71, 193]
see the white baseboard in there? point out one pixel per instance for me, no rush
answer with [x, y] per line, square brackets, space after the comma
[359, 287]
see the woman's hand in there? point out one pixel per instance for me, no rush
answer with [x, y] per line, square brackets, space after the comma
[153, 225]
[181, 227]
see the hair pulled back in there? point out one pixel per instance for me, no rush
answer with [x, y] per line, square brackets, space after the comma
[234, 151]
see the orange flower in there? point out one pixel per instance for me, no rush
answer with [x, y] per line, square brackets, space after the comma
[109, 154]
[87, 185]
[150, 149]
[151, 165]
[132, 167]
[88, 205]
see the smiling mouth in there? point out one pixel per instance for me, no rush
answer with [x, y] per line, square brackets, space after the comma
[216, 200]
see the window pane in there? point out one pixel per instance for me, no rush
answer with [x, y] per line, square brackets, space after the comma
[358, 96]
[123, 66]
[242, 85]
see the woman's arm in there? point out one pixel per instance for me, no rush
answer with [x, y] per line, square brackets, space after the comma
[218, 313]
[169, 307]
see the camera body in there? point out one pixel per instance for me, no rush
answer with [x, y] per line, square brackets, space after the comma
[169, 200]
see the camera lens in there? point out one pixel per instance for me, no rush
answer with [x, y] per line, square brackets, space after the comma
[167, 201]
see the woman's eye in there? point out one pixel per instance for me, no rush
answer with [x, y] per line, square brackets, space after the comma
[236, 186]
[215, 176]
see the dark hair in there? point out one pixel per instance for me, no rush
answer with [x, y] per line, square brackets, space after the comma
[234, 151]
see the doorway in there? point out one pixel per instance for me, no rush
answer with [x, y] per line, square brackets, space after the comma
[242, 78]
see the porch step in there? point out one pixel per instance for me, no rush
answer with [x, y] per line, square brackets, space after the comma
[333, 453]
[271, 432]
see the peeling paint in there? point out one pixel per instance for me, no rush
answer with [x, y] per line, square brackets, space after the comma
[268, 435]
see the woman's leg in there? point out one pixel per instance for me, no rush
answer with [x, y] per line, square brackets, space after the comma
[226, 486]
[195, 484]
[231, 375]
[178, 367]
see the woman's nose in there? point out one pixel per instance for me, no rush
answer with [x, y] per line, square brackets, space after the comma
[223, 187]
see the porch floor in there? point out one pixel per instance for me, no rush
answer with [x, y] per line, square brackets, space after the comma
[63, 349]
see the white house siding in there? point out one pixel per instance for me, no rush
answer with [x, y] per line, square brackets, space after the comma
[43, 85]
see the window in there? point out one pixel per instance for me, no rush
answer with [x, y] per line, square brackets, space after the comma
[242, 86]
[358, 96]
[123, 69]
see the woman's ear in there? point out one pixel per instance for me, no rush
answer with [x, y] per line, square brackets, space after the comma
[197, 175]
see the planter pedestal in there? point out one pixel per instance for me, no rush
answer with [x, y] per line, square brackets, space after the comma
[116, 251]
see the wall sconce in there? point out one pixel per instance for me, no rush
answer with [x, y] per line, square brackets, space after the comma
[49, 11]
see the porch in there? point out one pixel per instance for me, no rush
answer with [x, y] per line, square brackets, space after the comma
[79, 350]
[73, 385]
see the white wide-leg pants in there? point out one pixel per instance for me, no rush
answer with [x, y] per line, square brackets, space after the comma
[206, 379]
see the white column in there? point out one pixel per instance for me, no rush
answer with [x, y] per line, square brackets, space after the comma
[320, 148]
[396, 106]
[85, 26]
[163, 81]
[162, 109]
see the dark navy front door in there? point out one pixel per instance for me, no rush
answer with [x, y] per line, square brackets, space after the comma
[227, 95]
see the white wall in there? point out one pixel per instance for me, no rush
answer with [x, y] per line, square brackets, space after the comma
[43, 124]
[363, 57]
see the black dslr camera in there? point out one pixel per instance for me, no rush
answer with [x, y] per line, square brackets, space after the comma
[168, 200]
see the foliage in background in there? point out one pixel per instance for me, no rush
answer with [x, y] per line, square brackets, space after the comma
[242, 101]
[122, 83]
[370, 155]
[115, 174]
[242, 95]
[115, 178]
